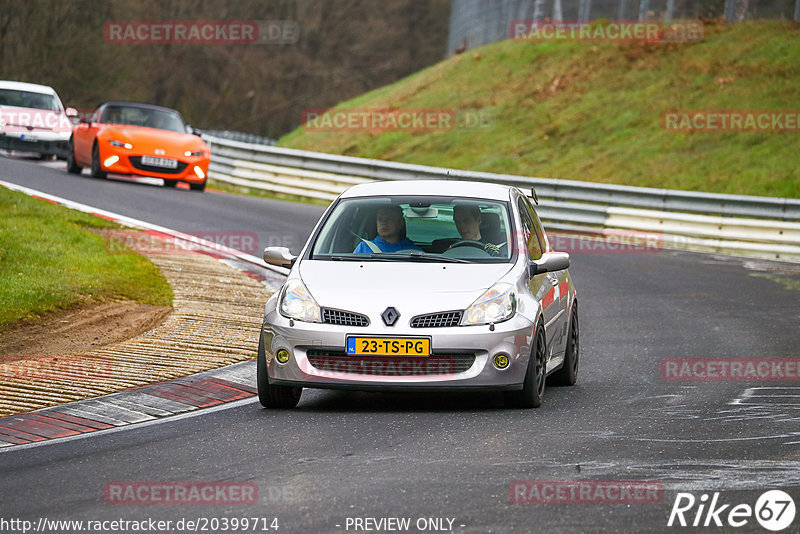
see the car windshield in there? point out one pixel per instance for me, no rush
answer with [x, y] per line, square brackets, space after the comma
[28, 99]
[416, 228]
[141, 116]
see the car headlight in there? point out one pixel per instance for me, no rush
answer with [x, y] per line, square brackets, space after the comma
[196, 154]
[114, 142]
[496, 305]
[297, 302]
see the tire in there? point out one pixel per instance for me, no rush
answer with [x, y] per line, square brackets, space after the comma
[97, 171]
[170, 183]
[568, 374]
[533, 386]
[72, 167]
[272, 396]
[198, 187]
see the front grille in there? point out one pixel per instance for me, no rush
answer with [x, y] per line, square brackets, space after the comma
[136, 161]
[436, 320]
[344, 318]
[434, 365]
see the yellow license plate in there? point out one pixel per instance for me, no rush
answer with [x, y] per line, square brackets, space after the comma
[389, 346]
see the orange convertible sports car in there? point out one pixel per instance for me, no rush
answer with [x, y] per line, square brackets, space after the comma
[139, 139]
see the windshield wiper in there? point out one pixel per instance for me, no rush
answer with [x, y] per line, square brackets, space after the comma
[356, 257]
[415, 256]
[393, 256]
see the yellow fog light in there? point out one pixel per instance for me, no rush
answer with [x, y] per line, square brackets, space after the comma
[501, 361]
[282, 356]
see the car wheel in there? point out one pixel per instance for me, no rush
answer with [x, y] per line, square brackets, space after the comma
[72, 167]
[568, 374]
[269, 395]
[170, 183]
[97, 171]
[533, 386]
[198, 187]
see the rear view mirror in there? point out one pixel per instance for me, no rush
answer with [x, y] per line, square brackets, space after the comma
[549, 262]
[279, 256]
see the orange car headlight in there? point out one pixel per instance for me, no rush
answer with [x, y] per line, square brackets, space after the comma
[196, 154]
[114, 142]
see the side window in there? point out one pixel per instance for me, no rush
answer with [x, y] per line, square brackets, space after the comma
[537, 227]
[529, 230]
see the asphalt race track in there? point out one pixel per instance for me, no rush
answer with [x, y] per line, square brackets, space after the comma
[446, 462]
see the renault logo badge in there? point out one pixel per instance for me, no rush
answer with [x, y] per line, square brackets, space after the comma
[390, 316]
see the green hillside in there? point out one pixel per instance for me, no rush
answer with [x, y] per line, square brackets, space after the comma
[593, 112]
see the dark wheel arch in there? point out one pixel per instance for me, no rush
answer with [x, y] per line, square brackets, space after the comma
[535, 376]
[270, 395]
[567, 375]
[97, 170]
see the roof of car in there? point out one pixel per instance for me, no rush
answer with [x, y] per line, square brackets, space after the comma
[430, 187]
[30, 87]
[137, 105]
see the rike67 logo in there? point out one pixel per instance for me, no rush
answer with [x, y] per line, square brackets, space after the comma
[774, 510]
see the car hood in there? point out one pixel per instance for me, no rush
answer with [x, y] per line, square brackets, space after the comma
[20, 120]
[412, 288]
[173, 143]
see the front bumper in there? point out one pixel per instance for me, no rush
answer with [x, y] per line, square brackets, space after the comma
[461, 357]
[129, 164]
[36, 143]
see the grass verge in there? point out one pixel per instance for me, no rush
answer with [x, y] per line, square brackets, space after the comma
[593, 112]
[226, 187]
[50, 260]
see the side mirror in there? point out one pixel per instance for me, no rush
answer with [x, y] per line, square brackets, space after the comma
[193, 131]
[71, 112]
[279, 256]
[549, 262]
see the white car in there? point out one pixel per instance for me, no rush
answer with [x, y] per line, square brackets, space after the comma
[422, 285]
[32, 119]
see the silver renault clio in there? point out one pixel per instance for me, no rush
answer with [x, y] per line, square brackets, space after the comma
[419, 285]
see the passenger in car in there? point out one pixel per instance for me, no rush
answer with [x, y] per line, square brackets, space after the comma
[391, 233]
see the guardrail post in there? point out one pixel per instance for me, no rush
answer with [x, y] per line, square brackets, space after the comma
[558, 13]
[623, 6]
[584, 7]
[669, 11]
[730, 10]
[537, 10]
[644, 7]
[797, 11]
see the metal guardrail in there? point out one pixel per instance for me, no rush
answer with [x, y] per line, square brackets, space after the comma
[746, 225]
